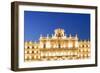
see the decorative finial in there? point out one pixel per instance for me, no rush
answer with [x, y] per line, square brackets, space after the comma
[66, 35]
[47, 36]
[40, 35]
[76, 35]
[30, 42]
[35, 42]
[70, 36]
[52, 35]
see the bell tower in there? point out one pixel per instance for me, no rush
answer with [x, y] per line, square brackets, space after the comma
[59, 33]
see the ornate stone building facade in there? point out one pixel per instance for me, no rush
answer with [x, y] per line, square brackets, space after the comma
[57, 47]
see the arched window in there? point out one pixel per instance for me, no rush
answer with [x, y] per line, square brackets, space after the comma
[59, 46]
[70, 45]
[44, 46]
[48, 45]
[28, 47]
[27, 52]
[32, 47]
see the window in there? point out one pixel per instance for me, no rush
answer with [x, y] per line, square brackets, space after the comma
[48, 45]
[70, 45]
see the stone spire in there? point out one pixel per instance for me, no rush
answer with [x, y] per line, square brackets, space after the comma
[47, 36]
[70, 36]
[41, 36]
[76, 37]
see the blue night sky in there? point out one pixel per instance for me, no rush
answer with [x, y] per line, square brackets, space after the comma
[36, 23]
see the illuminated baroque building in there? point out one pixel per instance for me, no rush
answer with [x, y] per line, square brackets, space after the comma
[57, 47]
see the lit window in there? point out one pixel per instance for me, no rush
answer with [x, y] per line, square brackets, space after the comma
[46, 54]
[30, 57]
[75, 53]
[61, 46]
[42, 54]
[50, 54]
[41, 45]
[54, 46]
[25, 57]
[76, 44]
[88, 49]
[35, 51]
[68, 53]
[71, 53]
[64, 46]
[35, 47]
[26, 47]
[48, 45]
[81, 45]
[57, 46]
[30, 42]
[25, 52]
[78, 55]
[30, 47]
[70, 45]
[85, 49]
[53, 54]
[64, 53]
[81, 55]
[88, 45]
[81, 50]
[85, 55]
[35, 56]
[30, 51]
[38, 57]
[89, 54]
[61, 53]
[84, 45]
[57, 53]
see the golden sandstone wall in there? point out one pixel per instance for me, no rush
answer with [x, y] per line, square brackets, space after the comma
[57, 47]
[35, 53]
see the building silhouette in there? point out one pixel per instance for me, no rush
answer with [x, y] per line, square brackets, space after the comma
[59, 46]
